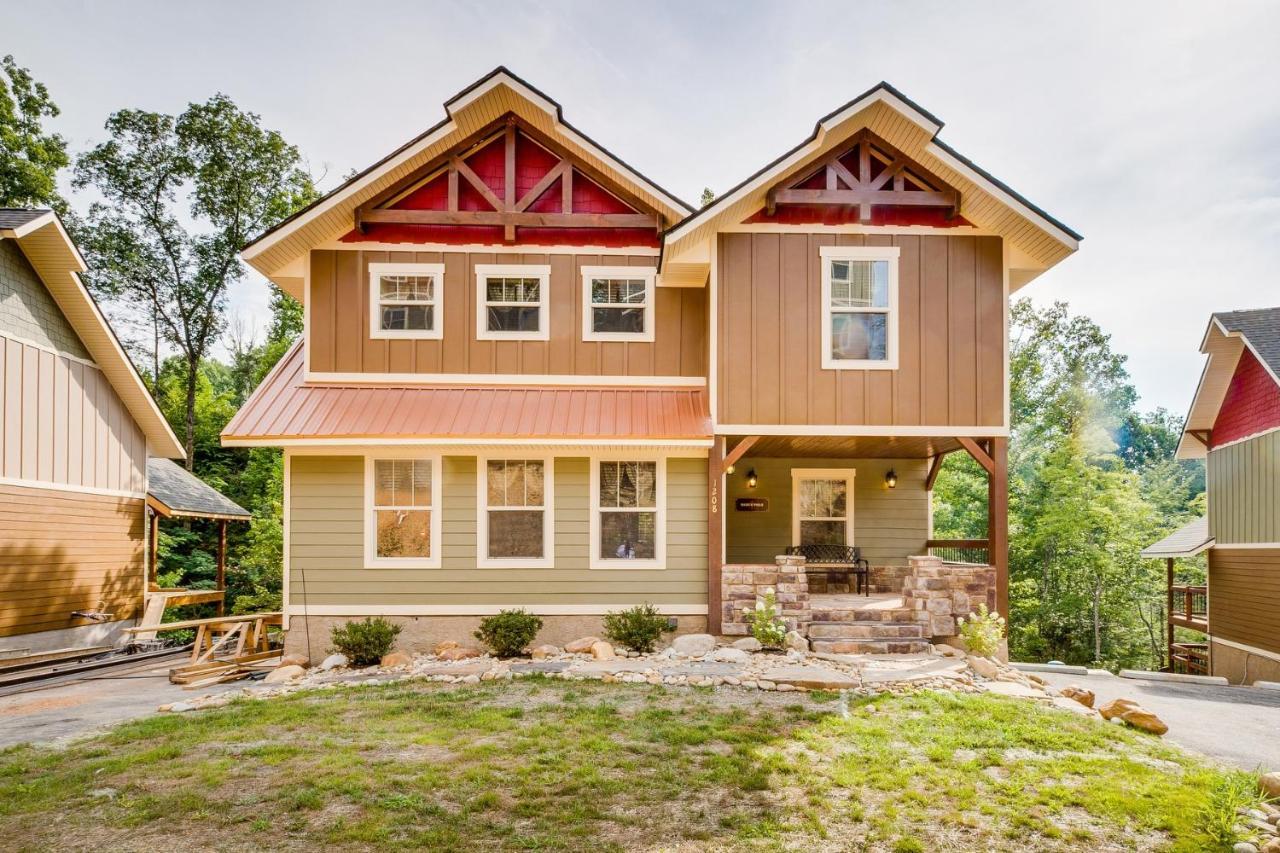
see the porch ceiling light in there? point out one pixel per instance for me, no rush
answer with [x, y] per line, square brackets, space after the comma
[752, 479]
[891, 479]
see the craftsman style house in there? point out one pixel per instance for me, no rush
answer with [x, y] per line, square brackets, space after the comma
[532, 377]
[1234, 425]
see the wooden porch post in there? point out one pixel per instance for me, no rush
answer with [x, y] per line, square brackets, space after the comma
[998, 520]
[1169, 608]
[153, 547]
[715, 536]
[222, 565]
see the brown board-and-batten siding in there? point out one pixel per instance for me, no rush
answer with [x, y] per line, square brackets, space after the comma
[62, 551]
[951, 308]
[1244, 596]
[1244, 490]
[326, 545]
[339, 341]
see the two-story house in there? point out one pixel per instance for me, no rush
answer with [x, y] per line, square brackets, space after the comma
[532, 377]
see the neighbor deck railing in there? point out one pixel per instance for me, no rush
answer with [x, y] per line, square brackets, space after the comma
[1189, 606]
[1190, 658]
[975, 551]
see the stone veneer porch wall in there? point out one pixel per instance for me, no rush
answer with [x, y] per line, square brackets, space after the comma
[947, 590]
[741, 584]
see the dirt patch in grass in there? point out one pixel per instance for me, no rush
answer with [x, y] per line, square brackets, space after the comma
[537, 764]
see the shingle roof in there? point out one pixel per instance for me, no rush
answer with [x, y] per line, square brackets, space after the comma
[1261, 328]
[1186, 541]
[14, 217]
[183, 493]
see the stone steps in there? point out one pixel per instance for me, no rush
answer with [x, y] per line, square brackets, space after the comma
[867, 637]
[870, 647]
[897, 614]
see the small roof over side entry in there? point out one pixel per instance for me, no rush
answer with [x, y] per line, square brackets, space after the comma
[174, 491]
[1187, 541]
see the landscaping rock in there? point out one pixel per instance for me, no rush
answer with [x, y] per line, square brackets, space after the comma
[444, 646]
[395, 659]
[333, 662]
[275, 676]
[600, 650]
[1244, 847]
[796, 641]
[295, 660]
[694, 645]
[1270, 784]
[1272, 846]
[1084, 697]
[731, 655]
[544, 652]
[1143, 719]
[458, 653]
[948, 651]
[811, 677]
[544, 666]
[581, 646]
[1117, 708]
[748, 644]
[985, 667]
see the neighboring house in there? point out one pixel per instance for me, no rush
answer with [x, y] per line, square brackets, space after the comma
[531, 377]
[77, 429]
[1234, 425]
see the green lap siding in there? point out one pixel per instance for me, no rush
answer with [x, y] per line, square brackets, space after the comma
[1244, 491]
[326, 547]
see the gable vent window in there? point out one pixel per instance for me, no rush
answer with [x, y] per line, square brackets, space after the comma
[512, 302]
[406, 300]
[617, 303]
[859, 307]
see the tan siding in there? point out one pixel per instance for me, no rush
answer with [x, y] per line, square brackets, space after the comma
[1244, 596]
[889, 524]
[64, 551]
[951, 334]
[1244, 491]
[339, 338]
[64, 424]
[327, 552]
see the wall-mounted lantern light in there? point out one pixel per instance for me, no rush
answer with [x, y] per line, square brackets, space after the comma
[752, 479]
[891, 479]
[731, 469]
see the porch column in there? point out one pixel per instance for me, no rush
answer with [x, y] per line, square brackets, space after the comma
[222, 565]
[1168, 613]
[715, 536]
[153, 549]
[998, 519]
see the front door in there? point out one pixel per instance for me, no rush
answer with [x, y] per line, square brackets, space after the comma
[822, 506]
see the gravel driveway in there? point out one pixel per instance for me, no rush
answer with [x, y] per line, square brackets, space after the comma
[1238, 725]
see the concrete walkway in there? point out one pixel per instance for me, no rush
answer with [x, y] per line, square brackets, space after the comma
[1238, 725]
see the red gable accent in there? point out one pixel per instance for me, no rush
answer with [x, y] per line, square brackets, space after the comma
[830, 214]
[1251, 405]
[491, 235]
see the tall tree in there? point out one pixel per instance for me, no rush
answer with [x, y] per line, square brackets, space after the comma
[30, 156]
[215, 166]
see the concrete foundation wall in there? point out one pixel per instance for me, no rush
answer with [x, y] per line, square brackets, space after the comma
[1241, 667]
[103, 634]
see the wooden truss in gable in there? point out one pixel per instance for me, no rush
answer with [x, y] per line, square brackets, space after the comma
[869, 172]
[507, 211]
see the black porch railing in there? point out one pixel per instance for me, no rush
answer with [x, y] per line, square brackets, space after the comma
[973, 551]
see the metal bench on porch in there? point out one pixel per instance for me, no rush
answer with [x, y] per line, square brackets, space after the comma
[835, 560]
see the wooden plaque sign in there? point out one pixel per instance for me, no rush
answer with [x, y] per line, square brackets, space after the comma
[751, 504]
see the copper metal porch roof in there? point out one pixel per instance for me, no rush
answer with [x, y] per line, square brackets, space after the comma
[285, 407]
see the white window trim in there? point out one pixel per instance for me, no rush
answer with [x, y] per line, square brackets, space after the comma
[538, 271]
[436, 271]
[371, 558]
[846, 474]
[598, 560]
[648, 274]
[547, 560]
[860, 253]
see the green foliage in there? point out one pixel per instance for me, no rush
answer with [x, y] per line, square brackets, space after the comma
[364, 642]
[765, 620]
[637, 628]
[708, 196]
[29, 157]
[1220, 815]
[982, 631]
[509, 632]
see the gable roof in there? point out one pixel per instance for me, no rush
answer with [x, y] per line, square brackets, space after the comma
[178, 492]
[1039, 239]
[1187, 541]
[1228, 335]
[498, 92]
[55, 258]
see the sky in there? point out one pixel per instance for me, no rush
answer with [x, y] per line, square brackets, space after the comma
[1153, 129]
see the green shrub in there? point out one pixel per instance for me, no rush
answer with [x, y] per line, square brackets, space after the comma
[765, 620]
[365, 642]
[638, 628]
[982, 631]
[509, 632]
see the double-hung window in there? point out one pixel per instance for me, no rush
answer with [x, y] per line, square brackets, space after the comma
[822, 506]
[859, 307]
[628, 498]
[402, 521]
[515, 522]
[617, 303]
[513, 302]
[406, 300]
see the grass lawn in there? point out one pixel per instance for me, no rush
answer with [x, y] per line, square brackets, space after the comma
[550, 765]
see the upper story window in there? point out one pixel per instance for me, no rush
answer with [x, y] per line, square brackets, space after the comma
[512, 302]
[515, 524]
[402, 522]
[617, 303]
[406, 300]
[859, 307]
